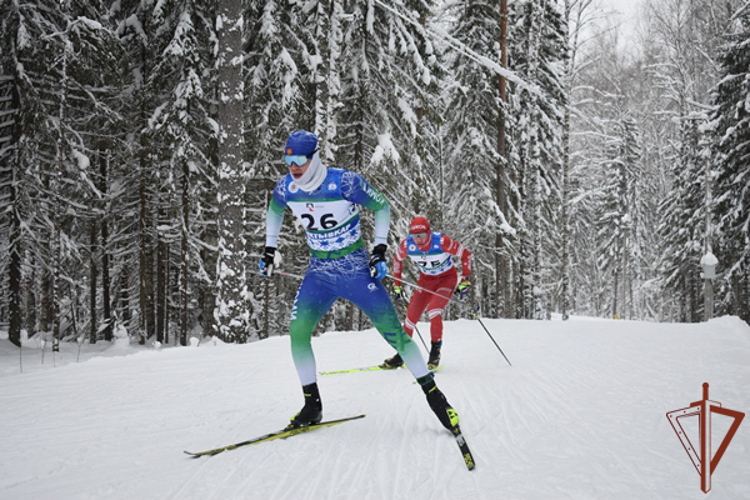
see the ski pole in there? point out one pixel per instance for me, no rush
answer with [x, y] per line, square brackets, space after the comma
[282, 273]
[474, 310]
[428, 291]
[420, 338]
[476, 315]
[291, 275]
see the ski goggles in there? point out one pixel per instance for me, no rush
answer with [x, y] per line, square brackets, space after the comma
[298, 160]
[419, 235]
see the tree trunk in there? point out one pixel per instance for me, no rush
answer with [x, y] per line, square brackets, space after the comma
[56, 188]
[535, 228]
[161, 285]
[31, 304]
[184, 259]
[537, 234]
[565, 271]
[232, 315]
[170, 289]
[9, 162]
[625, 272]
[124, 304]
[502, 274]
[146, 297]
[615, 288]
[92, 282]
[565, 288]
[46, 310]
[106, 300]
[14, 270]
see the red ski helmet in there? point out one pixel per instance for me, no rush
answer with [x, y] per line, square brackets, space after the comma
[419, 224]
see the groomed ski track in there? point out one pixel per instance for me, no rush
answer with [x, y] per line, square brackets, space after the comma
[580, 415]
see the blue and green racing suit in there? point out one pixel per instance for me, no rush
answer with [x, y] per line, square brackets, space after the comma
[339, 263]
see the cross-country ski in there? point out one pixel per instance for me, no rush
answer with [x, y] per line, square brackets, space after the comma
[353, 370]
[281, 434]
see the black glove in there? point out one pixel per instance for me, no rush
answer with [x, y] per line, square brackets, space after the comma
[266, 262]
[378, 265]
[399, 291]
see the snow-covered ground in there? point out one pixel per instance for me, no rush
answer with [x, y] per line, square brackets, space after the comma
[579, 415]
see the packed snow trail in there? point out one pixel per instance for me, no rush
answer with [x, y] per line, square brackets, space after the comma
[579, 415]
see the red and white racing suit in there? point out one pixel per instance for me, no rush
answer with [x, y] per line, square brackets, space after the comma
[436, 273]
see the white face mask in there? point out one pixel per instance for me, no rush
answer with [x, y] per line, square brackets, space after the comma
[313, 176]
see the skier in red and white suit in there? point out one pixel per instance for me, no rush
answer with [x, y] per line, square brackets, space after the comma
[432, 252]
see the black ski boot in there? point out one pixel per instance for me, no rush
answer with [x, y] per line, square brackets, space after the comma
[434, 360]
[444, 411]
[312, 412]
[392, 363]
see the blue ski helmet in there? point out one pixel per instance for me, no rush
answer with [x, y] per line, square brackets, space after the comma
[301, 142]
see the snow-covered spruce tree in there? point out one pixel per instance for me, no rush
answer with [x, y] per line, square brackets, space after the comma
[576, 14]
[197, 172]
[682, 44]
[475, 112]
[181, 126]
[95, 109]
[276, 57]
[136, 31]
[170, 47]
[611, 91]
[416, 114]
[539, 58]
[589, 180]
[683, 228]
[586, 296]
[318, 55]
[27, 53]
[615, 224]
[731, 126]
[90, 114]
[11, 170]
[387, 70]
[657, 157]
[593, 102]
[643, 290]
[56, 137]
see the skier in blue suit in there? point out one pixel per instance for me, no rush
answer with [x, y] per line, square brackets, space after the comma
[326, 201]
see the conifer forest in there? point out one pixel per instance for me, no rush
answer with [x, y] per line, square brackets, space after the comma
[588, 173]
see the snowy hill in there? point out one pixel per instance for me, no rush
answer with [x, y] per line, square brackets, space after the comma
[579, 415]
